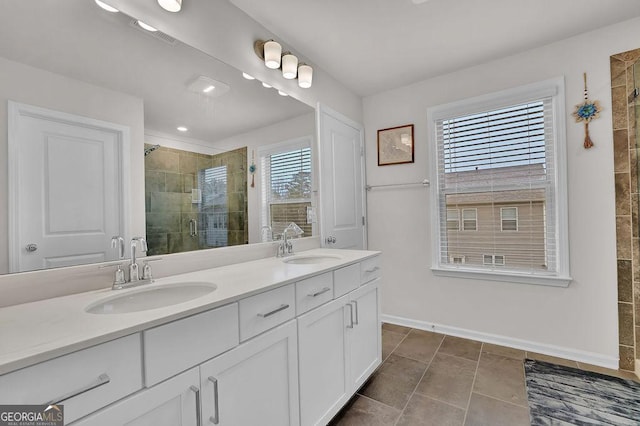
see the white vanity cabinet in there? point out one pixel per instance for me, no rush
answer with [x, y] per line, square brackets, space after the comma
[175, 402]
[255, 383]
[339, 347]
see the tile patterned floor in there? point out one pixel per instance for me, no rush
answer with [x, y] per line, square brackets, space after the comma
[432, 379]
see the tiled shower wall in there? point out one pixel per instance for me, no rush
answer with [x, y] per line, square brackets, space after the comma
[170, 174]
[626, 181]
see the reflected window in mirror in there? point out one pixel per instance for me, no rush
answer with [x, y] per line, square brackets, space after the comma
[286, 187]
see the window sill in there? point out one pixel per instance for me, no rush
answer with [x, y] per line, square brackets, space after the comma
[511, 277]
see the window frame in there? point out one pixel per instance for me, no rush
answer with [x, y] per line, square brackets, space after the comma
[264, 199]
[475, 220]
[502, 219]
[457, 220]
[553, 88]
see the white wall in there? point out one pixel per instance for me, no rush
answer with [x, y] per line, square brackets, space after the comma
[29, 85]
[580, 321]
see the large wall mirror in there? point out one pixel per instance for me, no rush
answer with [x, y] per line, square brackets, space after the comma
[108, 129]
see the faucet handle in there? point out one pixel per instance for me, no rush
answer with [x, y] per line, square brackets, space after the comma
[146, 269]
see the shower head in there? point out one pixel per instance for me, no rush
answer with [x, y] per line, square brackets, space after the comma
[150, 149]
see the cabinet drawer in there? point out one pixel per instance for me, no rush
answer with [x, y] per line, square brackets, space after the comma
[346, 279]
[266, 310]
[370, 269]
[82, 381]
[179, 345]
[313, 292]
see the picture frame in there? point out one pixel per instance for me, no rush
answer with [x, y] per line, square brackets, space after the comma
[395, 145]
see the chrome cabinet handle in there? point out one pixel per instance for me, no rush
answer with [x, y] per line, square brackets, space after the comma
[355, 304]
[350, 315]
[197, 392]
[215, 419]
[318, 293]
[275, 311]
[372, 269]
[102, 380]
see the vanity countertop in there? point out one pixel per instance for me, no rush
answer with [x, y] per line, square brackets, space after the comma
[35, 332]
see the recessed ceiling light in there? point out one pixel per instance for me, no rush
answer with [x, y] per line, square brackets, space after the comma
[171, 5]
[247, 76]
[281, 93]
[268, 86]
[147, 27]
[106, 7]
[208, 88]
[182, 129]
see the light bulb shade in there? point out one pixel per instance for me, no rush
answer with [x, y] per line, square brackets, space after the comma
[289, 66]
[171, 5]
[305, 76]
[272, 54]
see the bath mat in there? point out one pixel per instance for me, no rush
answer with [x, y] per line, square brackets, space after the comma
[568, 396]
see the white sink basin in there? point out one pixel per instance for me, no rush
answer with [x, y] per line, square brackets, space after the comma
[144, 299]
[309, 259]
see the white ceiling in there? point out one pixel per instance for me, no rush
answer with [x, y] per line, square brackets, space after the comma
[376, 45]
[77, 39]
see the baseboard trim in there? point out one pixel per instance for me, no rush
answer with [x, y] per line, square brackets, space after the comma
[526, 345]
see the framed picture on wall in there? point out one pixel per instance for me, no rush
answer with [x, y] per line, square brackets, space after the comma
[395, 145]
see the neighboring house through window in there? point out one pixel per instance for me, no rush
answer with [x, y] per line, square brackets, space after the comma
[500, 161]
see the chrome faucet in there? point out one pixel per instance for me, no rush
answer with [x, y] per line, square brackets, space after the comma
[133, 267]
[285, 248]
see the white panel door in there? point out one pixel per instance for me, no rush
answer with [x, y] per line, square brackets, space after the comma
[322, 342]
[255, 383]
[341, 181]
[365, 346]
[66, 189]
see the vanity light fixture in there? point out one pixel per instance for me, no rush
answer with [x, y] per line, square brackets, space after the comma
[247, 76]
[106, 6]
[289, 66]
[147, 26]
[268, 86]
[182, 129]
[171, 5]
[281, 93]
[305, 76]
[270, 52]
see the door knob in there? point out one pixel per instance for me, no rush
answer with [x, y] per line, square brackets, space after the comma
[31, 247]
[331, 240]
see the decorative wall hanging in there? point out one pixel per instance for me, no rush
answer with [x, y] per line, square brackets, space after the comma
[395, 145]
[587, 111]
[252, 169]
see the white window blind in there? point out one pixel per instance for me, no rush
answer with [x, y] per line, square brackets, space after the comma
[286, 186]
[497, 164]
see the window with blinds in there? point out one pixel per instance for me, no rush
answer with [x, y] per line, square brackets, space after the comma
[286, 187]
[496, 163]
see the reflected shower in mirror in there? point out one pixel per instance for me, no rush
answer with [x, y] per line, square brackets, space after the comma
[146, 93]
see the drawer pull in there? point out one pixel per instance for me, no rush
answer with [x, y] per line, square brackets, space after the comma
[197, 392]
[102, 380]
[368, 271]
[215, 419]
[275, 311]
[350, 315]
[318, 293]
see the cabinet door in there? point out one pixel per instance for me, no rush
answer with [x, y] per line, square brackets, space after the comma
[255, 383]
[174, 402]
[365, 347]
[323, 367]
